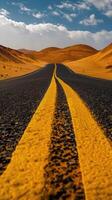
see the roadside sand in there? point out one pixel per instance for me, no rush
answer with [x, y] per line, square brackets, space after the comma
[10, 69]
[98, 65]
[90, 67]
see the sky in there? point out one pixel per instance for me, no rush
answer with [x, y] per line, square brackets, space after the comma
[37, 24]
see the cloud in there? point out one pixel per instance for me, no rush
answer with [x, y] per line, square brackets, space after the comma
[24, 8]
[50, 7]
[108, 13]
[66, 5]
[55, 13]
[38, 15]
[4, 12]
[82, 6]
[69, 17]
[101, 4]
[73, 6]
[91, 21]
[37, 36]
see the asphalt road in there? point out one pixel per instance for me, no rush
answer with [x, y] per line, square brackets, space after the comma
[96, 93]
[19, 98]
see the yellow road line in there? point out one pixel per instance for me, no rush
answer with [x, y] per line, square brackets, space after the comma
[24, 176]
[95, 152]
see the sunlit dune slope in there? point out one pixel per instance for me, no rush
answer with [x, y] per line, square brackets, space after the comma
[15, 63]
[98, 65]
[58, 55]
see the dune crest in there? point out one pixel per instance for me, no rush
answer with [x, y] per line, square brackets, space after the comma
[98, 65]
[54, 54]
[15, 63]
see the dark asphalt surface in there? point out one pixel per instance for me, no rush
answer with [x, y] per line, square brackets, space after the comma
[96, 93]
[19, 99]
[63, 178]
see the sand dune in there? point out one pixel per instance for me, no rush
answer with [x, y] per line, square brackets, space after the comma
[19, 62]
[15, 63]
[58, 55]
[81, 58]
[98, 65]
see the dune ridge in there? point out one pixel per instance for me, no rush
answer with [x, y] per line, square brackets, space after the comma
[15, 63]
[54, 54]
[98, 65]
[81, 58]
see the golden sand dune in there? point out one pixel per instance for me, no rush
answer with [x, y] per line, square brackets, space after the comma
[19, 62]
[57, 55]
[15, 63]
[98, 65]
[81, 58]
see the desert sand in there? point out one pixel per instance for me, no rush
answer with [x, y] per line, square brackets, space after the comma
[98, 65]
[58, 55]
[14, 63]
[80, 58]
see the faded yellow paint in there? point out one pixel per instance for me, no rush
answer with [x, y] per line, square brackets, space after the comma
[94, 149]
[24, 176]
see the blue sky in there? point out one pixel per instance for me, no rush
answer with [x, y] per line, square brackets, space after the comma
[38, 24]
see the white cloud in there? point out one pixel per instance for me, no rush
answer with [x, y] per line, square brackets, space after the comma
[37, 36]
[66, 5]
[91, 21]
[38, 15]
[55, 13]
[73, 15]
[69, 17]
[24, 8]
[82, 6]
[73, 6]
[4, 12]
[50, 7]
[101, 4]
[108, 13]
